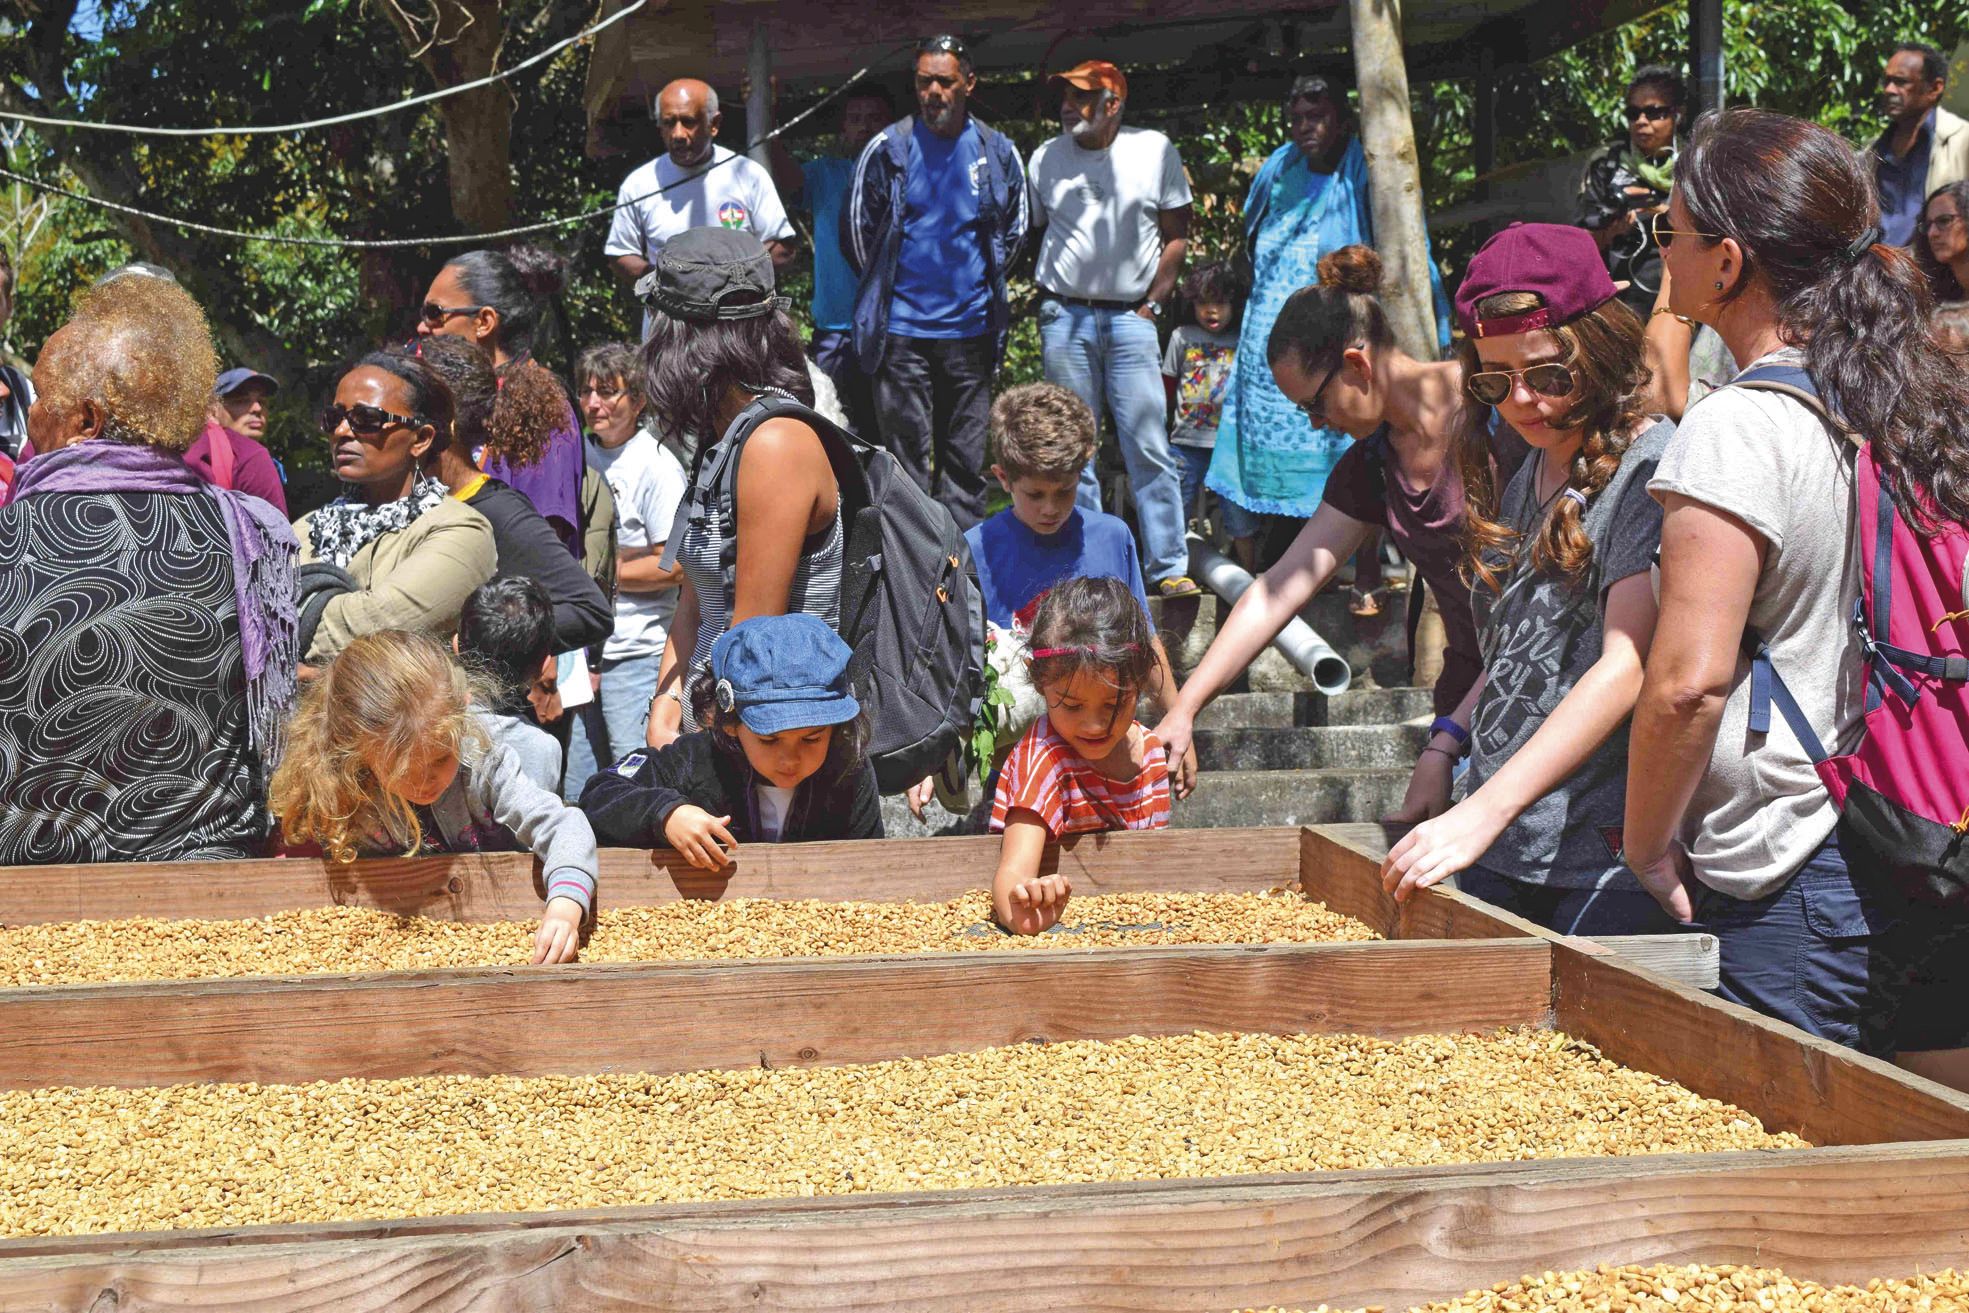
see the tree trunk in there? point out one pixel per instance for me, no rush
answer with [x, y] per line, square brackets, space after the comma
[1394, 183]
[459, 41]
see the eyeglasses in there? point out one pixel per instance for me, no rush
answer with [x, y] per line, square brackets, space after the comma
[435, 314]
[1665, 236]
[363, 419]
[1312, 407]
[606, 394]
[1939, 221]
[1649, 112]
[1492, 386]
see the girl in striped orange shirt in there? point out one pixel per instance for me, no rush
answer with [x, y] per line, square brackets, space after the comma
[1087, 764]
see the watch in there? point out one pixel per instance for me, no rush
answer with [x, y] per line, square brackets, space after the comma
[1154, 307]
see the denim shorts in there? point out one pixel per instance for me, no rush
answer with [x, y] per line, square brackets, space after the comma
[1818, 953]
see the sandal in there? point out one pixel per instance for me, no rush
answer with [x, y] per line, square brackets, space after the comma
[1364, 604]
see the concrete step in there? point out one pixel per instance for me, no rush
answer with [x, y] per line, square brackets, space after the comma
[1357, 706]
[1290, 797]
[1354, 746]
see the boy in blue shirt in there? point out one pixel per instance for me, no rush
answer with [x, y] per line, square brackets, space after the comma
[1043, 435]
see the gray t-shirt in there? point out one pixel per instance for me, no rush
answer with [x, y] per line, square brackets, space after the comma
[1541, 633]
[1759, 810]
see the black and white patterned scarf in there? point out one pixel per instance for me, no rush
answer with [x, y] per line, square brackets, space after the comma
[346, 525]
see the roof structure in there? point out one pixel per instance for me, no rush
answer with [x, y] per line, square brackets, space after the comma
[1178, 52]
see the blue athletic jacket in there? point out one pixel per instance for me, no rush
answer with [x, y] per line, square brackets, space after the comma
[871, 234]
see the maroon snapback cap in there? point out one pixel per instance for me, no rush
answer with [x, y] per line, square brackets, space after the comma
[1558, 262]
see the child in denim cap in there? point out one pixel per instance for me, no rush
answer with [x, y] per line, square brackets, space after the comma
[1042, 436]
[784, 758]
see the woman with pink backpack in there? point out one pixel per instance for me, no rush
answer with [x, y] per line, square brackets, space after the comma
[1798, 781]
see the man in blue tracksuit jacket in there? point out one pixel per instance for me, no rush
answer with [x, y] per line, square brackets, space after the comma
[935, 217]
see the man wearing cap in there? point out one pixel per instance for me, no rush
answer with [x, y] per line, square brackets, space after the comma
[695, 183]
[1116, 206]
[936, 218]
[229, 452]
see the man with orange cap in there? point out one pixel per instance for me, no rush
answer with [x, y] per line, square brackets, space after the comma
[1116, 206]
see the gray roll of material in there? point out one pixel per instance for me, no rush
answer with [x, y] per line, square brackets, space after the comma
[1298, 642]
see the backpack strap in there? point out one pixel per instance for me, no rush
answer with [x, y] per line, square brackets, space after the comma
[1767, 687]
[717, 484]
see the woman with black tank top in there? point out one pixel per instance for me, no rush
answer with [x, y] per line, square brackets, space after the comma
[1334, 356]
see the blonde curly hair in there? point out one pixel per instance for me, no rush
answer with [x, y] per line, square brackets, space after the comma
[386, 696]
[138, 346]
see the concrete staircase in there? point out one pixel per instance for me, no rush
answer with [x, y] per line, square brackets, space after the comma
[1273, 751]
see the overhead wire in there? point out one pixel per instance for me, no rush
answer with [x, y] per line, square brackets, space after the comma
[449, 239]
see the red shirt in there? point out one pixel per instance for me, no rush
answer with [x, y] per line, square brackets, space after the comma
[1045, 776]
[253, 470]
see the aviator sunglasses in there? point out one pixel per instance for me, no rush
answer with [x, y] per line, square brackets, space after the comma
[1493, 386]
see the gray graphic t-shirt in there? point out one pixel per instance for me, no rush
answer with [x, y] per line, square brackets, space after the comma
[1540, 634]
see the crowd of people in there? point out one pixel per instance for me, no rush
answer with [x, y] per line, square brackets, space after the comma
[1678, 447]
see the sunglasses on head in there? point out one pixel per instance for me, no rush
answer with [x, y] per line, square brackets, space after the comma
[1649, 112]
[943, 45]
[363, 419]
[1492, 386]
[435, 314]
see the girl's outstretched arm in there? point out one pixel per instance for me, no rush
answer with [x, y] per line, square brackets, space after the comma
[1592, 710]
[1022, 900]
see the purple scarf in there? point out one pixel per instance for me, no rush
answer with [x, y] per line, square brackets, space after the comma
[263, 550]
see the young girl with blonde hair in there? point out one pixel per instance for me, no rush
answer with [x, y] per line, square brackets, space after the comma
[388, 756]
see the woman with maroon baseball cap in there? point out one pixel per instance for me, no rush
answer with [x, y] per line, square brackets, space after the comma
[1559, 561]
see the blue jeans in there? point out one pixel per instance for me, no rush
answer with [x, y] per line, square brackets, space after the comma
[612, 726]
[1618, 911]
[1194, 463]
[1114, 357]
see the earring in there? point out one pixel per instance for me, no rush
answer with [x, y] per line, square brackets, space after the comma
[1719, 284]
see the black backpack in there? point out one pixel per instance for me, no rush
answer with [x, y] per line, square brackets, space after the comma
[910, 604]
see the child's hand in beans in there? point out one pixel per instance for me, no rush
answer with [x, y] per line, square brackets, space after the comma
[1034, 905]
[559, 936]
[702, 838]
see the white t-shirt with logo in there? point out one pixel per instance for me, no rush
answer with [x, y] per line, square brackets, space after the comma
[738, 194]
[648, 483]
[1102, 237]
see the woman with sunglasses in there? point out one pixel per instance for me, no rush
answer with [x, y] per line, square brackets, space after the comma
[1773, 239]
[412, 552]
[1628, 182]
[495, 298]
[1334, 357]
[1559, 559]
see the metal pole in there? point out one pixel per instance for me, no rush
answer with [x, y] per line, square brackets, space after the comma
[1706, 42]
[1483, 120]
[1299, 643]
[1394, 181]
[759, 96]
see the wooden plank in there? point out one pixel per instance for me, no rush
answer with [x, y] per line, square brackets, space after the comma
[1793, 1081]
[1392, 1238]
[686, 1016]
[503, 886]
[1341, 866]
[1693, 960]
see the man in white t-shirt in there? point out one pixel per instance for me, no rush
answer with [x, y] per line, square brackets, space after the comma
[696, 183]
[1116, 206]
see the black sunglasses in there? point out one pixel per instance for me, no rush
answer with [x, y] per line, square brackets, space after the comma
[363, 419]
[435, 314]
[1649, 112]
[1492, 386]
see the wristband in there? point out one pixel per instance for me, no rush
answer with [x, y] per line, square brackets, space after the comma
[1444, 725]
[1441, 752]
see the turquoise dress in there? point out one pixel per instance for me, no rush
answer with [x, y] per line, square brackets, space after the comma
[1269, 458]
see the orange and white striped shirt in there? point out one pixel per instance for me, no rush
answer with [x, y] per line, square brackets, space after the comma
[1045, 776]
